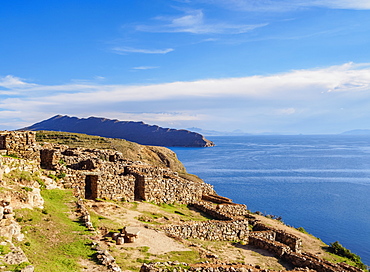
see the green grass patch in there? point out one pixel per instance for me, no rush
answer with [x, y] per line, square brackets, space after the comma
[14, 156]
[4, 249]
[17, 267]
[22, 176]
[183, 211]
[99, 221]
[301, 229]
[54, 242]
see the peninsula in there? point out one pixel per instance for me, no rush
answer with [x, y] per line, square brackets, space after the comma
[137, 132]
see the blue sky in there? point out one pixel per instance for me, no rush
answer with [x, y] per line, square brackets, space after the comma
[255, 65]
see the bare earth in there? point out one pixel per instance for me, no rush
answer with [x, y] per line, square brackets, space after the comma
[159, 243]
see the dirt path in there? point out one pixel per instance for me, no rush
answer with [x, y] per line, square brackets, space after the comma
[157, 241]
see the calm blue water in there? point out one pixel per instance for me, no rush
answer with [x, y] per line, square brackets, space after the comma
[321, 183]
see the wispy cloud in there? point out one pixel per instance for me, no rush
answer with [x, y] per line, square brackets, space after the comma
[125, 50]
[10, 81]
[287, 5]
[145, 67]
[193, 21]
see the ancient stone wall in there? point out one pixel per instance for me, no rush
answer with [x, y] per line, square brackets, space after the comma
[164, 186]
[108, 175]
[8, 164]
[313, 262]
[294, 242]
[184, 267]
[20, 143]
[278, 249]
[222, 211]
[269, 235]
[210, 209]
[211, 230]
[303, 260]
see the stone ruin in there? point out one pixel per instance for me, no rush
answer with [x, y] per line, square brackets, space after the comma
[21, 144]
[106, 174]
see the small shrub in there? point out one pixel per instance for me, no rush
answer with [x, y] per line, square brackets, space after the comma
[4, 249]
[301, 229]
[52, 176]
[27, 189]
[61, 175]
[41, 183]
[62, 162]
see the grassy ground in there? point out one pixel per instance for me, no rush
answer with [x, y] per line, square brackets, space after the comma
[54, 242]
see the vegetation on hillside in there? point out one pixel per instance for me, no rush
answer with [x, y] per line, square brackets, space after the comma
[54, 240]
[154, 155]
[337, 249]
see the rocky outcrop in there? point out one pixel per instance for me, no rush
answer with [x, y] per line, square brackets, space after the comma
[137, 132]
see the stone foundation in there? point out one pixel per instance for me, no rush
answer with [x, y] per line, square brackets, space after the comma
[211, 230]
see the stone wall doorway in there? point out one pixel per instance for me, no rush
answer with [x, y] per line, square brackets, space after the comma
[3, 142]
[91, 186]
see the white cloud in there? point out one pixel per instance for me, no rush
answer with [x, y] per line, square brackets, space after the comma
[296, 94]
[193, 21]
[338, 4]
[125, 50]
[156, 117]
[10, 81]
[286, 111]
[348, 77]
[145, 67]
[286, 5]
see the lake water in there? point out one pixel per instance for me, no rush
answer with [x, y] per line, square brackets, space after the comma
[320, 183]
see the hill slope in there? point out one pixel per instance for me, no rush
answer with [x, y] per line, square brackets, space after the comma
[153, 155]
[137, 132]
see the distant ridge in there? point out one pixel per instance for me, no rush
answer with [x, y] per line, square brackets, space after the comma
[357, 132]
[137, 132]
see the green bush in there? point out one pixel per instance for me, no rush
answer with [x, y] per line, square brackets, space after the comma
[27, 189]
[340, 250]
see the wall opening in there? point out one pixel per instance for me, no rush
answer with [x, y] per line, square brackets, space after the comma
[139, 190]
[91, 186]
[3, 142]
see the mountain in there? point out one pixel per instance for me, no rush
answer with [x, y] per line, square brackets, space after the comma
[357, 132]
[137, 132]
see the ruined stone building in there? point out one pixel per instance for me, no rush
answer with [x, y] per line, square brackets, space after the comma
[21, 144]
[104, 174]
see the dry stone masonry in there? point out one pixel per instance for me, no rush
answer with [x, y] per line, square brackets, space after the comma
[20, 144]
[211, 230]
[206, 267]
[106, 174]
